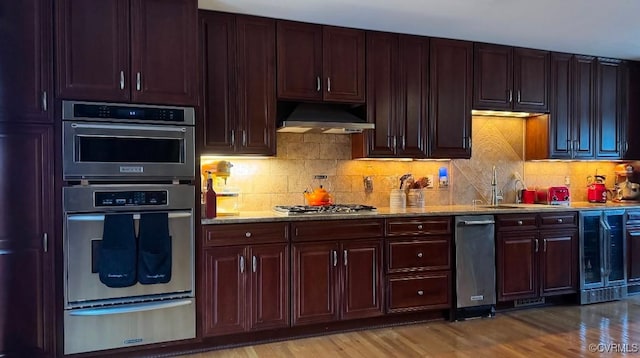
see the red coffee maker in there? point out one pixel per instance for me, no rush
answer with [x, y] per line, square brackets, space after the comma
[596, 190]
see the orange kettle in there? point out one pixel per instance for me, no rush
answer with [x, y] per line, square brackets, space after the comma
[318, 197]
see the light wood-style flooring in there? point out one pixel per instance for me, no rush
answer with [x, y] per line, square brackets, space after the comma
[604, 329]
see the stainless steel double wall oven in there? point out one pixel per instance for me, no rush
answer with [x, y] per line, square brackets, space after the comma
[128, 208]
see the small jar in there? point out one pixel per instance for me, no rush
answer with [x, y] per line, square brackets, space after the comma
[397, 199]
[415, 198]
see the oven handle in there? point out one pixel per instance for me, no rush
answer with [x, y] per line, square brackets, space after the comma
[129, 127]
[128, 308]
[98, 217]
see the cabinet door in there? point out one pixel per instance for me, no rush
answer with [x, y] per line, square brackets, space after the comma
[362, 279]
[343, 62]
[530, 80]
[561, 114]
[382, 56]
[610, 115]
[633, 259]
[217, 72]
[26, 237]
[224, 285]
[92, 50]
[413, 94]
[559, 262]
[26, 69]
[299, 60]
[584, 123]
[269, 287]
[163, 51]
[256, 85]
[493, 72]
[315, 280]
[517, 269]
[450, 96]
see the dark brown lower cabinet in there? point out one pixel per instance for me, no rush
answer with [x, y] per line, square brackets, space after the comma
[336, 280]
[246, 287]
[633, 250]
[536, 263]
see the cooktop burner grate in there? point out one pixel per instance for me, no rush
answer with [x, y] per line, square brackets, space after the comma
[327, 209]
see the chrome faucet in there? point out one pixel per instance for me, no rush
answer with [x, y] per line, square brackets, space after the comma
[494, 188]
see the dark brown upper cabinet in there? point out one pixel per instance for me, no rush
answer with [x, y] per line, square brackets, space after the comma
[139, 51]
[397, 97]
[510, 79]
[238, 96]
[26, 69]
[450, 98]
[320, 63]
[588, 111]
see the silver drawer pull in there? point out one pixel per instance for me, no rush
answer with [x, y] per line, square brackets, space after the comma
[420, 227]
[559, 221]
[247, 234]
[419, 254]
[520, 222]
[420, 293]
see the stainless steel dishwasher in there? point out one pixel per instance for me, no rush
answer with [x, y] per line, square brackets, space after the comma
[475, 266]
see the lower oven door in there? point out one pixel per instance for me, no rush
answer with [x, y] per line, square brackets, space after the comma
[116, 326]
[83, 235]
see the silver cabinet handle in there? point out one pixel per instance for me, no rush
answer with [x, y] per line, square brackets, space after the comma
[247, 234]
[328, 84]
[318, 84]
[420, 293]
[45, 242]
[335, 258]
[469, 142]
[419, 255]
[241, 264]
[344, 254]
[122, 80]
[626, 146]
[544, 247]
[518, 98]
[244, 138]
[139, 81]
[537, 244]
[44, 101]
[520, 222]
[233, 137]
[254, 260]
[560, 221]
[419, 227]
[510, 96]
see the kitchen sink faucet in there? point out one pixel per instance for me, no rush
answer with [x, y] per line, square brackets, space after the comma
[495, 198]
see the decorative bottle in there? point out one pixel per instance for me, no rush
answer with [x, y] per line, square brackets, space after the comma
[210, 199]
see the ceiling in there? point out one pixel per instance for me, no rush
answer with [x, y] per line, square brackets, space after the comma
[609, 28]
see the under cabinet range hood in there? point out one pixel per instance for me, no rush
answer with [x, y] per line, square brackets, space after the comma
[323, 118]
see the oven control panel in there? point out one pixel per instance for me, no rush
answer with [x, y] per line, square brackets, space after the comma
[129, 198]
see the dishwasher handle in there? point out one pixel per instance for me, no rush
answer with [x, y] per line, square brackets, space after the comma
[477, 222]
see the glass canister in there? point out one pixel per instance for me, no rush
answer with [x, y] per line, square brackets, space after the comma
[415, 198]
[397, 199]
[228, 203]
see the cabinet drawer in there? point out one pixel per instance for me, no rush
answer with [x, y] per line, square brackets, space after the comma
[417, 292]
[414, 227]
[558, 220]
[516, 222]
[633, 217]
[336, 230]
[419, 255]
[241, 234]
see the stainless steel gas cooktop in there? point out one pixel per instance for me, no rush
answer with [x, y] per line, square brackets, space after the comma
[323, 210]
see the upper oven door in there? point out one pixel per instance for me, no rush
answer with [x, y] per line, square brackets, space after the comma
[103, 150]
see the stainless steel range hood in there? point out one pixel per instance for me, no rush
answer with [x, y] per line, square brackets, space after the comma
[323, 118]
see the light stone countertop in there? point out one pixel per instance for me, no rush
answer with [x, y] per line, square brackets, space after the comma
[436, 210]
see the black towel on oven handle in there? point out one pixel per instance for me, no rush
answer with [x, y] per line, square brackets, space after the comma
[117, 262]
[154, 249]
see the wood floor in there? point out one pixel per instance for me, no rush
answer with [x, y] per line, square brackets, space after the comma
[557, 331]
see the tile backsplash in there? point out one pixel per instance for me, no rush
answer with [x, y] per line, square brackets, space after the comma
[497, 141]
